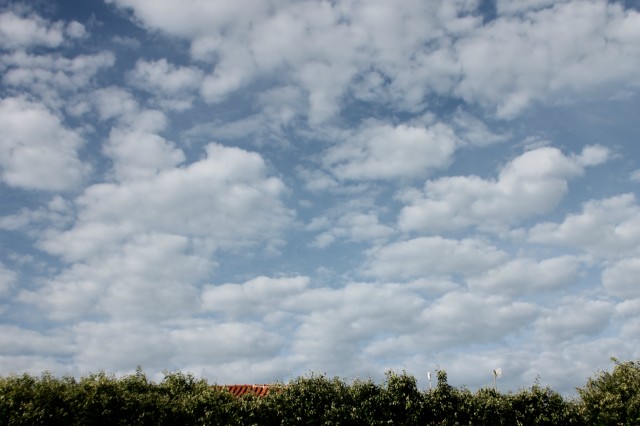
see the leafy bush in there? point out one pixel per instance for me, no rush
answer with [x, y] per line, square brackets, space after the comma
[613, 398]
[101, 399]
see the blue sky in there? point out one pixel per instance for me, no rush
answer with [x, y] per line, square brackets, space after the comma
[251, 191]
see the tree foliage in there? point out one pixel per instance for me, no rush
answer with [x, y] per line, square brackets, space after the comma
[610, 398]
[613, 398]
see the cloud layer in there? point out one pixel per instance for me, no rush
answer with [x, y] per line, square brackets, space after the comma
[252, 191]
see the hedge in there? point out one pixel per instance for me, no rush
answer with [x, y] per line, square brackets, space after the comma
[609, 398]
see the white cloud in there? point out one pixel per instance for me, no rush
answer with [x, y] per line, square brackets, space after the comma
[279, 112]
[429, 256]
[313, 44]
[35, 364]
[518, 6]
[382, 151]
[608, 228]
[37, 150]
[330, 337]
[174, 216]
[560, 365]
[138, 154]
[225, 79]
[529, 185]
[354, 226]
[131, 281]
[134, 145]
[7, 280]
[55, 214]
[474, 132]
[114, 102]
[139, 343]
[350, 330]
[194, 19]
[210, 342]
[224, 201]
[172, 345]
[403, 54]
[621, 278]
[574, 319]
[592, 155]
[164, 79]
[30, 31]
[256, 297]
[128, 42]
[20, 341]
[76, 30]
[317, 180]
[522, 276]
[628, 308]
[52, 77]
[463, 318]
[557, 64]
[458, 319]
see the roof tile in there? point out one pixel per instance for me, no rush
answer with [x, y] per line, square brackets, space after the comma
[240, 390]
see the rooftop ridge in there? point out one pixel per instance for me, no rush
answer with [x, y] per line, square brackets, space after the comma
[255, 389]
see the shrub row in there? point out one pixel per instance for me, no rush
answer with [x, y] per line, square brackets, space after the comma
[607, 399]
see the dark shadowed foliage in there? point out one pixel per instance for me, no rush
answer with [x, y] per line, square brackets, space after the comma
[610, 398]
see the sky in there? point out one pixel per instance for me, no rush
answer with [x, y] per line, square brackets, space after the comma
[253, 191]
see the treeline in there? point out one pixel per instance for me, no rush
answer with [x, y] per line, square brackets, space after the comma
[609, 398]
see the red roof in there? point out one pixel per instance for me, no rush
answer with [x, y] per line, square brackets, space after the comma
[239, 390]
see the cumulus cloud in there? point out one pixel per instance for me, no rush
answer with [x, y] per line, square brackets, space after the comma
[428, 256]
[176, 216]
[164, 77]
[559, 63]
[173, 85]
[607, 228]
[382, 151]
[524, 275]
[223, 352]
[405, 53]
[621, 278]
[574, 319]
[30, 31]
[353, 329]
[507, 7]
[21, 341]
[7, 280]
[472, 131]
[258, 296]
[323, 324]
[353, 226]
[279, 111]
[116, 103]
[556, 364]
[189, 343]
[138, 154]
[529, 185]
[134, 144]
[464, 318]
[132, 281]
[37, 150]
[55, 214]
[316, 326]
[227, 197]
[352, 318]
[51, 78]
[457, 319]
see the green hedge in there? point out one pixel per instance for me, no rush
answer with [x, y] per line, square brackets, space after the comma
[609, 398]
